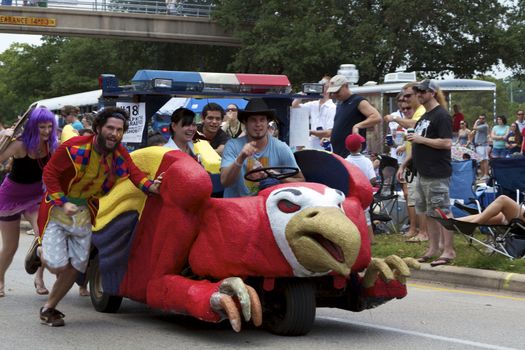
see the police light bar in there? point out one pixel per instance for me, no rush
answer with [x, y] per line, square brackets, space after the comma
[264, 83]
[159, 83]
[147, 79]
[313, 88]
[220, 82]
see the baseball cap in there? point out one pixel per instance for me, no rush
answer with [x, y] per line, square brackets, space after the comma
[353, 142]
[336, 82]
[426, 85]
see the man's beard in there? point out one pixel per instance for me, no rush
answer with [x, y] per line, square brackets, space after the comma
[101, 143]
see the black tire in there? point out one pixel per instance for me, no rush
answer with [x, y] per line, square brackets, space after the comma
[101, 301]
[290, 309]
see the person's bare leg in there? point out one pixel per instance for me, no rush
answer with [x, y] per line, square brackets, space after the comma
[412, 218]
[484, 167]
[370, 237]
[10, 232]
[40, 286]
[433, 232]
[502, 208]
[65, 279]
[423, 229]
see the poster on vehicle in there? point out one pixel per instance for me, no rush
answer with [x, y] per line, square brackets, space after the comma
[137, 120]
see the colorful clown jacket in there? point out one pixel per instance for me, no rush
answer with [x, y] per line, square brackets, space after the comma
[79, 174]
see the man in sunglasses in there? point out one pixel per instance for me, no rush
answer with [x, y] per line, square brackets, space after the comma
[82, 170]
[353, 115]
[409, 96]
[431, 144]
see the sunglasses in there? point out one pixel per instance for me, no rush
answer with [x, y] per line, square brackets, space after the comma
[407, 95]
[520, 113]
[231, 110]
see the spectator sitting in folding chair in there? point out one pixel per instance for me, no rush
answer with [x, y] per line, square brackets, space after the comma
[500, 212]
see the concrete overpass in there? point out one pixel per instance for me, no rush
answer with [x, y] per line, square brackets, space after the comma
[116, 25]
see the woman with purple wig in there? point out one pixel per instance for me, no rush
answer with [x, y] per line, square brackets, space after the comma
[22, 189]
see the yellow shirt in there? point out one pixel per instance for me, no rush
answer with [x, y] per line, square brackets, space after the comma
[90, 185]
[416, 116]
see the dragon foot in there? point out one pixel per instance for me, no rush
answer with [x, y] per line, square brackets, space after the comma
[224, 302]
[388, 269]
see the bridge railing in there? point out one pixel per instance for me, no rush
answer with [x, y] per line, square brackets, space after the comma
[168, 7]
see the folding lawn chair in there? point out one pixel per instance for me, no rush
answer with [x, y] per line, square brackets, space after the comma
[385, 206]
[462, 186]
[508, 176]
[507, 240]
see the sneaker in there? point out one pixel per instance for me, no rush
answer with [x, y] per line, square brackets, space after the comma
[52, 317]
[32, 261]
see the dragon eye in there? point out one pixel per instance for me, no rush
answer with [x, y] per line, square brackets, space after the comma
[288, 207]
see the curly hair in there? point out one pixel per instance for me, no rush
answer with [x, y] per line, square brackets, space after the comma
[102, 117]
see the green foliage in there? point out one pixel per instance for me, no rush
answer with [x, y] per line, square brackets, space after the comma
[62, 66]
[306, 38]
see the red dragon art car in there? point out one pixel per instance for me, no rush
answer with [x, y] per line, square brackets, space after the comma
[270, 259]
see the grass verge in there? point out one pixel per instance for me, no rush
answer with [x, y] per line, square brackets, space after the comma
[466, 255]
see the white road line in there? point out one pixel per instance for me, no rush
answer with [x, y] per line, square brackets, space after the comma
[418, 334]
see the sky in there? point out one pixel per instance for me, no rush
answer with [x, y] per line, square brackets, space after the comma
[6, 40]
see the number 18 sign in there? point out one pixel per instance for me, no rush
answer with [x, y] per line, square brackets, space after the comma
[137, 120]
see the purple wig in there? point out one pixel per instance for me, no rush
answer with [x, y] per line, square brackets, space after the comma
[31, 134]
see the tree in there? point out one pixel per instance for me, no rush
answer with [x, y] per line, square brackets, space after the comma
[63, 66]
[306, 38]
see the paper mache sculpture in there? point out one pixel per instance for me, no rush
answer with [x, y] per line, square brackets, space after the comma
[270, 259]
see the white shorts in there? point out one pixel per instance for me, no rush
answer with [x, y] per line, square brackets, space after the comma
[67, 239]
[483, 152]
[367, 217]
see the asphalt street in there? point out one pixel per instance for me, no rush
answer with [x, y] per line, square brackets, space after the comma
[432, 316]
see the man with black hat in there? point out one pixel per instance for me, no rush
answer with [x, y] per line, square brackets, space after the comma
[255, 150]
[431, 144]
[354, 114]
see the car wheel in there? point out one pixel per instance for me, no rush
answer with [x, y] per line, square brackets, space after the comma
[102, 302]
[290, 308]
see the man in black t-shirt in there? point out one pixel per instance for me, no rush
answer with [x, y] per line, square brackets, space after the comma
[431, 144]
[212, 115]
[353, 114]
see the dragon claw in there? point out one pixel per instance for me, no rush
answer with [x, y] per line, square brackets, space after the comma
[223, 301]
[392, 267]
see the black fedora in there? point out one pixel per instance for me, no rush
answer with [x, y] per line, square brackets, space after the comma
[256, 106]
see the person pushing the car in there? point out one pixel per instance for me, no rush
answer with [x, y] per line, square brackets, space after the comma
[82, 170]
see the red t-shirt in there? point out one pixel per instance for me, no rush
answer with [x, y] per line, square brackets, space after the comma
[457, 118]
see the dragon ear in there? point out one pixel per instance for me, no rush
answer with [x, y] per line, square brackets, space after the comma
[336, 173]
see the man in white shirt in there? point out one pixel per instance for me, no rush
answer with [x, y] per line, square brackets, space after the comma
[322, 114]
[520, 120]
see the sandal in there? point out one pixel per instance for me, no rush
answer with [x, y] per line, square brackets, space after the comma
[52, 317]
[417, 239]
[2, 293]
[425, 259]
[40, 288]
[441, 261]
[32, 261]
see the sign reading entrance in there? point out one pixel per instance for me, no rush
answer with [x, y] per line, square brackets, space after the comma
[29, 21]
